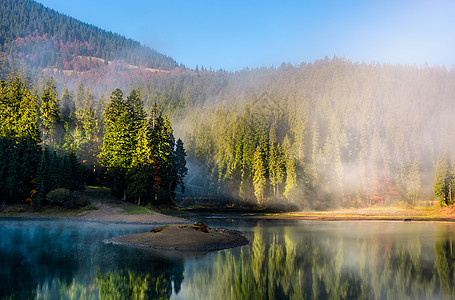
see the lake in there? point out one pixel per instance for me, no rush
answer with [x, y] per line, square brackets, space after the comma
[57, 259]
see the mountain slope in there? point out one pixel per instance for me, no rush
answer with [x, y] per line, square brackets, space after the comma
[48, 38]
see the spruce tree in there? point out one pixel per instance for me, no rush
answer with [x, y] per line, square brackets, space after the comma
[122, 121]
[66, 105]
[90, 123]
[276, 168]
[140, 176]
[43, 178]
[180, 164]
[77, 176]
[13, 180]
[20, 139]
[50, 113]
[259, 174]
[291, 178]
[162, 146]
[80, 96]
[443, 179]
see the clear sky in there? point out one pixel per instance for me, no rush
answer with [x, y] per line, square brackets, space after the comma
[236, 34]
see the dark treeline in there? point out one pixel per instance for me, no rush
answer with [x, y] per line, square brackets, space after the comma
[44, 37]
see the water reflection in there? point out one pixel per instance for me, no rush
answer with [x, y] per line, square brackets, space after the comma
[61, 260]
[296, 260]
[351, 263]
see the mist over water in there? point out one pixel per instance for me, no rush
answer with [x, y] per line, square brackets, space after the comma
[46, 259]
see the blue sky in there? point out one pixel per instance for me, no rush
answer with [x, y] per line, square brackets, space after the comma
[234, 34]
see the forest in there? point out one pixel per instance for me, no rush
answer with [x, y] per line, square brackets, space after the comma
[49, 149]
[332, 133]
[328, 133]
[44, 37]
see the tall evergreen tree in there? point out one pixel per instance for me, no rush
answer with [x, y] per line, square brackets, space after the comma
[276, 168]
[66, 105]
[444, 180]
[141, 177]
[20, 139]
[50, 113]
[259, 174]
[80, 96]
[162, 146]
[180, 164]
[122, 119]
[43, 178]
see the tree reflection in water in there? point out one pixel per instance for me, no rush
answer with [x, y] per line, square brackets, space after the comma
[281, 265]
[298, 261]
[58, 260]
[156, 284]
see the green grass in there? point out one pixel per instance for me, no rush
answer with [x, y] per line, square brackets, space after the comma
[135, 210]
[98, 193]
[159, 229]
[30, 212]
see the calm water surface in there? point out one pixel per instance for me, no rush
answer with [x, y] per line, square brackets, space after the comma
[48, 259]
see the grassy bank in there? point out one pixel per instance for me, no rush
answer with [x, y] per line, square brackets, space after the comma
[382, 213]
[101, 198]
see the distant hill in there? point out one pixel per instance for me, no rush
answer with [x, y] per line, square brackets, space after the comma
[44, 38]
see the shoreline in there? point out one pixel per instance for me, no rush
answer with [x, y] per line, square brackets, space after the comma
[107, 209]
[444, 214]
[115, 212]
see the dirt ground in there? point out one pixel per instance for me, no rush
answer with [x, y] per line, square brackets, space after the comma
[385, 214]
[113, 211]
[184, 237]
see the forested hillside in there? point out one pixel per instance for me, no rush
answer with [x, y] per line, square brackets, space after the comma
[42, 38]
[316, 135]
[50, 147]
[330, 133]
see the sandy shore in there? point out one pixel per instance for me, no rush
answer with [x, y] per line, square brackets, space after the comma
[184, 237]
[113, 211]
[433, 214]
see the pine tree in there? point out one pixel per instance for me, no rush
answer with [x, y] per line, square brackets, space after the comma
[13, 180]
[66, 105]
[77, 176]
[141, 176]
[180, 164]
[162, 146]
[122, 119]
[80, 96]
[136, 105]
[88, 100]
[89, 123]
[443, 180]
[291, 178]
[20, 139]
[259, 174]
[276, 168]
[414, 182]
[43, 178]
[18, 114]
[50, 113]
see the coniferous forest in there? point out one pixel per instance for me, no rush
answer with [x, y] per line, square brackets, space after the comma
[77, 107]
[48, 150]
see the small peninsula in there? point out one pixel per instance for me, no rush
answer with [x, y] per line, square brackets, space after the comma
[184, 237]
